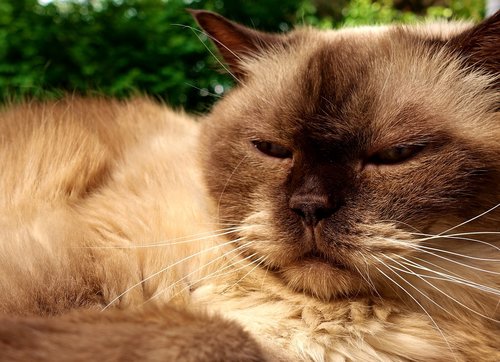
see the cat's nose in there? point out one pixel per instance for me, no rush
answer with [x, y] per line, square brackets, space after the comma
[311, 208]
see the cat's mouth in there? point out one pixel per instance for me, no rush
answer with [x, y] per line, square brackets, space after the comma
[321, 276]
[319, 249]
[325, 274]
[312, 258]
[316, 256]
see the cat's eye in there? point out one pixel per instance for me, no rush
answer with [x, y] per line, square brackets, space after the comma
[395, 154]
[272, 149]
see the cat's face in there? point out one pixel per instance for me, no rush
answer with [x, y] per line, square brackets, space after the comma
[338, 150]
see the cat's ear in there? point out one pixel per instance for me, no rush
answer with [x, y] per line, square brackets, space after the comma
[234, 41]
[480, 45]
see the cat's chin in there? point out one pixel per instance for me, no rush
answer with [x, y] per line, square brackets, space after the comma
[323, 279]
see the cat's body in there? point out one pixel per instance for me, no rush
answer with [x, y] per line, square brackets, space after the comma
[104, 206]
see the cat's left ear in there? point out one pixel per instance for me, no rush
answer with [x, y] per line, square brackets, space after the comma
[480, 45]
[235, 42]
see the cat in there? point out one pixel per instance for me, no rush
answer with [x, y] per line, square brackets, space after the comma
[341, 203]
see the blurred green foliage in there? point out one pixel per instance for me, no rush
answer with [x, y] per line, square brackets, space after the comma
[123, 47]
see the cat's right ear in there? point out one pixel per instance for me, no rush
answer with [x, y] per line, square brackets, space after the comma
[235, 42]
[480, 45]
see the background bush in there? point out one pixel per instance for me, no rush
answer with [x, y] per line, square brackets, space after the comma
[121, 47]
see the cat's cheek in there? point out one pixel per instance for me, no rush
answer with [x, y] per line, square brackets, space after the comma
[271, 228]
[266, 241]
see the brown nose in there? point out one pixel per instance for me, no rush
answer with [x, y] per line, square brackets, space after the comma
[311, 208]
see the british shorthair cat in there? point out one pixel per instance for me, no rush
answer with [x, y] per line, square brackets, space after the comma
[341, 203]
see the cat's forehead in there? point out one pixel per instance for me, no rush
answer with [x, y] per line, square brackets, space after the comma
[329, 78]
[369, 77]
[324, 62]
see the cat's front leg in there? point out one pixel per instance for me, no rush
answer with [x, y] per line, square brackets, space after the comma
[154, 334]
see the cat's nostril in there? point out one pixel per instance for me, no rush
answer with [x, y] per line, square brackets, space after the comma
[311, 210]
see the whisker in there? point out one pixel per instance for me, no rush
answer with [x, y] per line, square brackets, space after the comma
[451, 278]
[393, 268]
[430, 263]
[403, 223]
[479, 233]
[181, 240]
[457, 254]
[369, 282]
[208, 93]
[241, 84]
[420, 249]
[165, 269]
[470, 220]
[423, 278]
[215, 274]
[208, 36]
[459, 236]
[194, 30]
[264, 278]
[260, 260]
[226, 221]
[239, 248]
[418, 303]
[366, 277]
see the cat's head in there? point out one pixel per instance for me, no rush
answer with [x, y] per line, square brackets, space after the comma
[339, 153]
